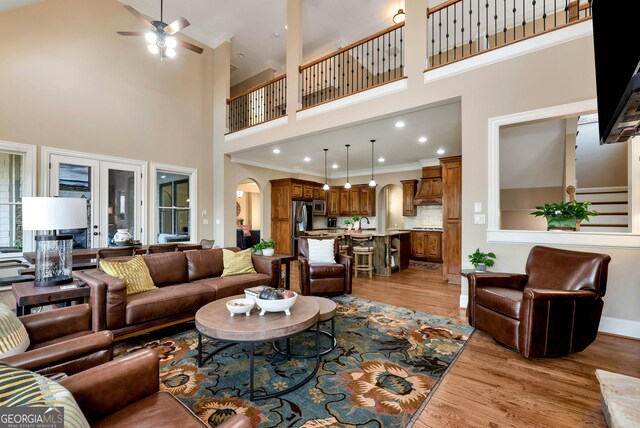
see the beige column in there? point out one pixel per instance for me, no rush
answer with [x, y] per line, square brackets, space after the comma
[294, 56]
[415, 40]
[223, 199]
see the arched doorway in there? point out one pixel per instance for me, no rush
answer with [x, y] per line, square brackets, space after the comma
[248, 213]
[390, 207]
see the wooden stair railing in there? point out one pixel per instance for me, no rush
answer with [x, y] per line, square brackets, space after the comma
[260, 104]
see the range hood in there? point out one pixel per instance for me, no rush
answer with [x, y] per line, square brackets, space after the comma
[430, 187]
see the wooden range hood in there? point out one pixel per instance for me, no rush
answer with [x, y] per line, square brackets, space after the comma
[430, 187]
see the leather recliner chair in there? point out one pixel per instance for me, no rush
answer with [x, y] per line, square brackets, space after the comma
[63, 341]
[324, 278]
[552, 310]
[126, 393]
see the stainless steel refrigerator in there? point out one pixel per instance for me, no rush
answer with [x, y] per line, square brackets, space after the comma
[301, 221]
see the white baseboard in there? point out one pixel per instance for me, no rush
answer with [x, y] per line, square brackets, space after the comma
[620, 327]
[464, 300]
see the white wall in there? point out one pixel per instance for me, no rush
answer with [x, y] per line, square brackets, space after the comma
[599, 165]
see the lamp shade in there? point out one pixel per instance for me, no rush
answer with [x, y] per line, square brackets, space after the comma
[54, 213]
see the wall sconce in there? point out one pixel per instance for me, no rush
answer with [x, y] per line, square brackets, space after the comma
[239, 193]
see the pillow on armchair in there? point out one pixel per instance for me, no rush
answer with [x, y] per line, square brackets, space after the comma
[14, 338]
[321, 251]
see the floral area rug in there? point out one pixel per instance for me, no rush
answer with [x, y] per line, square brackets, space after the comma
[387, 364]
[425, 265]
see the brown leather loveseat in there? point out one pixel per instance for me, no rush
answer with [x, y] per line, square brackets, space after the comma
[186, 281]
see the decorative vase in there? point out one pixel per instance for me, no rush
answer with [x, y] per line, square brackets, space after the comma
[268, 251]
[481, 267]
[356, 226]
[568, 223]
[349, 226]
[122, 237]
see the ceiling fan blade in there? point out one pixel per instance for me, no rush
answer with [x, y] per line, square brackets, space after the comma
[189, 46]
[140, 16]
[131, 33]
[176, 26]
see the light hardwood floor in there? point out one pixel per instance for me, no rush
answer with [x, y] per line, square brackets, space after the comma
[491, 386]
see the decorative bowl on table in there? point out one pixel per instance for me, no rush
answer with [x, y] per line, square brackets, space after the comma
[240, 306]
[277, 305]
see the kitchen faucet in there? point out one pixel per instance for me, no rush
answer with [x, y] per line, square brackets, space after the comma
[364, 218]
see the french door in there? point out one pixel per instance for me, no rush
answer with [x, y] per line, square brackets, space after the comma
[113, 192]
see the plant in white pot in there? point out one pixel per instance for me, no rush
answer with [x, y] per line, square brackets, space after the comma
[356, 222]
[269, 247]
[481, 261]
[348, 223]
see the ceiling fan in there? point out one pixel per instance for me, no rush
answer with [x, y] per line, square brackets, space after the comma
[160, 38]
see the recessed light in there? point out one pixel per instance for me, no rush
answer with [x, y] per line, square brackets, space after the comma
[380, 159]
[334, 166]
[307, 159]
[422, 139]
[400, 124]
[276, 151]
[163, 176]
[440, 151]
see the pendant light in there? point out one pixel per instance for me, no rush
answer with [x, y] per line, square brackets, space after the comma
[399, 17]
[372, 183]
[326, 184]
[347, 185]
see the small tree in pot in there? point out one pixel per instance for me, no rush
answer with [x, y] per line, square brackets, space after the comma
[481, 261]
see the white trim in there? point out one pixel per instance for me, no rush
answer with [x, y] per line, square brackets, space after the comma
[464, 300]
[494, 124]
[256, 129]
[268, 166]
[380, 91]
[430, 162]
[47, 152]
[560, 238]
[602, 189]
[28, 187]
[154, 168]
[620, 327]
[524, 47]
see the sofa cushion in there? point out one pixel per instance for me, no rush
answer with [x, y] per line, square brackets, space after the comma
[167, 268]
[237, 263]
[502, 300]
[326, 270]
[167, 301]
[134, 273]
[321, 251]
[204, 263]
[234, 285]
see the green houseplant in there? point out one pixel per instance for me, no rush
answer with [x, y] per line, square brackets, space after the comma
[356, 222]
[264, 247]
[348, 223]
[564, 215]
[481, 261]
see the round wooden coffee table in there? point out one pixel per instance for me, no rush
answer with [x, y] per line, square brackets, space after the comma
[214, 321]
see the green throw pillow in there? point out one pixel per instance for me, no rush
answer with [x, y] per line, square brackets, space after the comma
[14, 338]
[22, 388]
[237, 263]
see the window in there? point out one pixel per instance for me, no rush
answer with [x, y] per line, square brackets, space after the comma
[16, 181]
[175, 211]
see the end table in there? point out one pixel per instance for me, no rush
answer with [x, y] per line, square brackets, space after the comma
[28, 296]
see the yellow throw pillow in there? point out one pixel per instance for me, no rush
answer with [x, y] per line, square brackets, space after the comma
[134, 272]
[237, 263]
[14, 338]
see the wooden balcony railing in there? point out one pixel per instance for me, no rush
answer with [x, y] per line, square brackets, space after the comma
[258, 105]
[459, 29]
[365, 64]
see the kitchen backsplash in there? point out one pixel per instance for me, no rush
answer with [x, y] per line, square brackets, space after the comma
[427, 216]
[321, 222]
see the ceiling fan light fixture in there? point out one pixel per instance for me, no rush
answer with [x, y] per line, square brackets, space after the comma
[171, 42]
[151, 37]
[153, 48]
[170, 52]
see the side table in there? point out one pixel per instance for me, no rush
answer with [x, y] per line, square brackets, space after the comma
[29, 296]
[286, 259]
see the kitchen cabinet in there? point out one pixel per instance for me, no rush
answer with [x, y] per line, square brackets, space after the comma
[296, 190]
[367, 201]
[426, 245]
[319, 194]
[333, 202]
[408, 192]
[307, 191]
[345, 207]
[354, 201]
[452, 217]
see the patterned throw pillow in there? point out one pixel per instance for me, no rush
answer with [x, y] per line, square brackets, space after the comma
[237, 263]
[14, 338]
[22, 388]
[321, 251]
[134, 272]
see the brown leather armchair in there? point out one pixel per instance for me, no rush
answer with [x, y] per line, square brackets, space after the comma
[62, 341]
[126, 393]
[324, 279]
[552, 310]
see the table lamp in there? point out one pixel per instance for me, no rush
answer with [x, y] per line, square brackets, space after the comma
[54, 253]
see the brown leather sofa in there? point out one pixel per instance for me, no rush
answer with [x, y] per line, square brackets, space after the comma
[126, 393]
[62, 341]
[552, 310]
[186, 281]
[324, 278]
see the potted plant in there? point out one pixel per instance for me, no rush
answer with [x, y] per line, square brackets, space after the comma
[258, 248]
[564, 215]
[481, 260]
[240, 221]
[269, 247]
[356, 222]
[348, 223]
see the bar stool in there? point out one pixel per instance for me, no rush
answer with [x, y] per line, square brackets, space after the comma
[362, 247]
[343, 245]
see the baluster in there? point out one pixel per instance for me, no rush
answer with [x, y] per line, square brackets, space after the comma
[402, 50]
[440, 37]
[446, 47]
[544, 15]
[478, 35]
[455, 30]
[486, 23]
[534, 16]
[566, 11]
[504, 29]
[495, 23]
[555, 13]
[377, 41]
[470, 27]
[524, 19]
[389, 59]
[514, 20]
